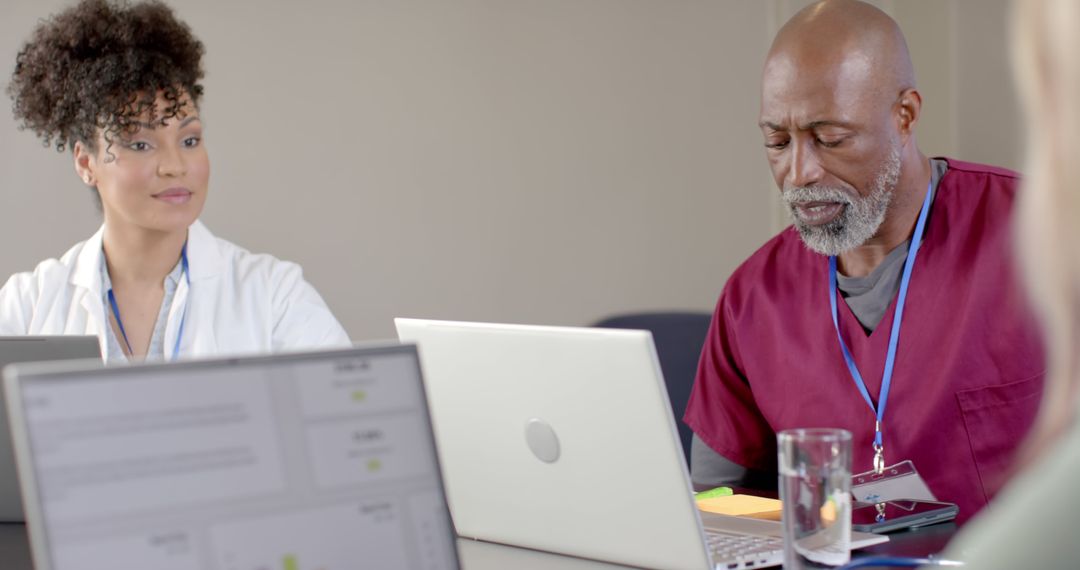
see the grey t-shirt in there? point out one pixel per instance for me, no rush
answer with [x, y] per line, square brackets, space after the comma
[868, 297]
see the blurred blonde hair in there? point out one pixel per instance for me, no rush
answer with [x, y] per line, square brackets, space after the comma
[1046, 62]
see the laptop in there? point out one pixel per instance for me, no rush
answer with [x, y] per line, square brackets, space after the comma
[300, 461]
[31, 349]
[563, 440]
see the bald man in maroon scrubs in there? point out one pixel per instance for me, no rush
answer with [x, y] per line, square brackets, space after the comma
[839, 107]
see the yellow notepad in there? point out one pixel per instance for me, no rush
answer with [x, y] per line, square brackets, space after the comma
[742, 506]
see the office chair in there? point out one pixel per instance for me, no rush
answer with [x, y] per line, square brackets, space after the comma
[678, 337]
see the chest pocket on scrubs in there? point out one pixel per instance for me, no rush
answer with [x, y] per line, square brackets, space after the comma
[993, 416]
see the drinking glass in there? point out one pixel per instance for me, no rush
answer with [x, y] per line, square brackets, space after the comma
[815, 487]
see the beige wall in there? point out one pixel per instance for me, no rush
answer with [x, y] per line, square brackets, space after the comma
[547, 161]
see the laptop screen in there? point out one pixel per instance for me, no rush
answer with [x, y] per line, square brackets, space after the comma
[302, 462]
[31, 349]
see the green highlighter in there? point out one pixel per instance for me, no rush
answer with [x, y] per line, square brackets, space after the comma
[711, 493]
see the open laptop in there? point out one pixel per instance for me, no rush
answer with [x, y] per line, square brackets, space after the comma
[303, 461]
[31, 349]
[562, 439]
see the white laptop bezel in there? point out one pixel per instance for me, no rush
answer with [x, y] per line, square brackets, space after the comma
[16, 375]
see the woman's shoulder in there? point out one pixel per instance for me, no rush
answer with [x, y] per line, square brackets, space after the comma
[299, 315]
[47, 289]
[213, 254]
[54, 270]
[1035, 509]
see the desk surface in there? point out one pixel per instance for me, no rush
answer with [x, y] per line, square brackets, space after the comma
[15, 551]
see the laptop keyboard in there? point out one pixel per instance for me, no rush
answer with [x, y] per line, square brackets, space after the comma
[737, 551]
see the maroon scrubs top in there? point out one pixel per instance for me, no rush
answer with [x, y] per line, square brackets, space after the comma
[969, 365]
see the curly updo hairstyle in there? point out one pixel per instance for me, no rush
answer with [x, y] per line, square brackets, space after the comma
[102, 64]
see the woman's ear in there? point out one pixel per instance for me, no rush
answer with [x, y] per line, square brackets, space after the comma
[85, 164]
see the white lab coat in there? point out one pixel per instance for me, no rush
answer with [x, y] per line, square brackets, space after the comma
[238, 302]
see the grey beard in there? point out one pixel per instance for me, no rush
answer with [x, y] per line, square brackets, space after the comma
[861, 217]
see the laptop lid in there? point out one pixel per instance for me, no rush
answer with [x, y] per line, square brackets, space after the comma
[31, 349]
[559, 439]
[287, 462]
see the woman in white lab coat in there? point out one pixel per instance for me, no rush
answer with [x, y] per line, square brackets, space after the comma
[118, 84]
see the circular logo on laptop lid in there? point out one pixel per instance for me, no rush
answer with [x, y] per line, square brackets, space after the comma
[542, 440]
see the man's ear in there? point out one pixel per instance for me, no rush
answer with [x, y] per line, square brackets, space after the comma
[85, 164]
[908, 109]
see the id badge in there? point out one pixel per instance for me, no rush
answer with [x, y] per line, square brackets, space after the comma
[900, 481]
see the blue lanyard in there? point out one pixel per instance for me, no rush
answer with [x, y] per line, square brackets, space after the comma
[894, 335]
[183, 315]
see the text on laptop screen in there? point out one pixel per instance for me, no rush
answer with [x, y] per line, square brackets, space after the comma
[276, 464]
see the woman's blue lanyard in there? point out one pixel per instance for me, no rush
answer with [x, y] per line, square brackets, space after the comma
[183, 314]
[894, 335]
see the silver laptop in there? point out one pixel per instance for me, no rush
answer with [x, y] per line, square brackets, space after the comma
[31, 349]
[291, 462]
[562, 440]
